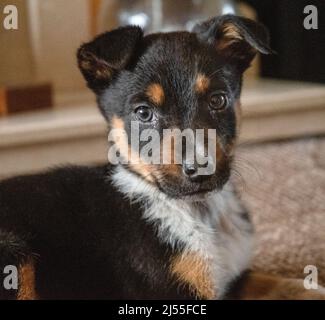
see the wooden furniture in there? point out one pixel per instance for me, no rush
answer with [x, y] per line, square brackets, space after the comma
[25, 97]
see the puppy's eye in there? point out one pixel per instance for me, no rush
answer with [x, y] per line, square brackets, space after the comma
[219, 101]
[144, 113]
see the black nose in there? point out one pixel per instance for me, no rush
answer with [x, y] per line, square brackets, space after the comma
[190, 170]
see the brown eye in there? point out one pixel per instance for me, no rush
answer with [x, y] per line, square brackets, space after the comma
[144, 113]
[219, 102]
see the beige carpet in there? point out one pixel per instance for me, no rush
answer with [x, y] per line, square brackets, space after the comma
[283, 187]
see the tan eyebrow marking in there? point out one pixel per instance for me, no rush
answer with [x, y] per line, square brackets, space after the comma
[156, 93]
[202, 83]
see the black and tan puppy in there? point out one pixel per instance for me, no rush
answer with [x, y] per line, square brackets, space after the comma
[139, 230]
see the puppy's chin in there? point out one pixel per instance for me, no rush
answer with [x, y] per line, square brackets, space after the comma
[190, 190]
[178, 193]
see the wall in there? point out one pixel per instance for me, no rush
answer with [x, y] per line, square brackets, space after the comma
[44, 46]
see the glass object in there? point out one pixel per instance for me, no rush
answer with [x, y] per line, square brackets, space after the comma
[162, 15]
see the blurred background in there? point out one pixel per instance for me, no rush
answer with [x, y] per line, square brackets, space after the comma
[48, 117]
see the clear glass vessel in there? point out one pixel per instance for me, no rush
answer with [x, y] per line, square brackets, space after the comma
[161, 15]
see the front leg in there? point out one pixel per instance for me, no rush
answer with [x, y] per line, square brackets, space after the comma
[258, 286]
[14, 253]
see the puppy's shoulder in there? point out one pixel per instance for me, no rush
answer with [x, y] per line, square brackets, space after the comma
[58, 190]
[60, 177]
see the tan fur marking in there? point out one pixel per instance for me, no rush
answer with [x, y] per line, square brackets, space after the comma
[220, 152]
[174, 170]
[156, 94]
[224, 43]
[230, 35]
[144, 169]
[169, 166]
[86, 65]
[117, 123]
[98, 67]
[103, 73]
[202, 83]
[193, 271]
[231, 31]
[26, 276]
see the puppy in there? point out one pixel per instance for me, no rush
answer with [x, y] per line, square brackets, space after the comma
[134, 229]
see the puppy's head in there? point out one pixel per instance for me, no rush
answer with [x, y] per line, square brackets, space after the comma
[169, 83]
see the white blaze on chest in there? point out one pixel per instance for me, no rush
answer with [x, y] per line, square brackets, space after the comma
[211, 228]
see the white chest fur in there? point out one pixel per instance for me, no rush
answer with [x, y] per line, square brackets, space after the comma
[212, 227]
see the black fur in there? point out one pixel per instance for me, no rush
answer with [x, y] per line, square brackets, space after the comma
[173, 60]
[86, 239]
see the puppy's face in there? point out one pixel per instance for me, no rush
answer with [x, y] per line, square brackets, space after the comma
[171, 84]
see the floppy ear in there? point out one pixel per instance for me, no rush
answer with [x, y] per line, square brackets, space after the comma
[101, 59]
[236, 38]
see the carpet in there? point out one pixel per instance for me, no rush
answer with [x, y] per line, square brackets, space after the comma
[282, 185]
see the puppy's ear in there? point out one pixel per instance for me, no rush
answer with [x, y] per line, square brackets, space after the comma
[101, 59]
[236, 38]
